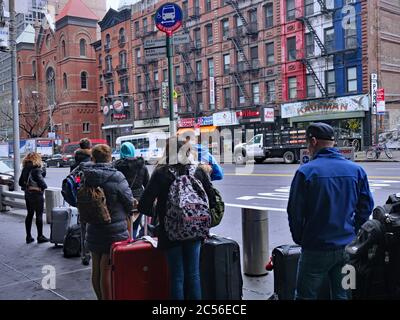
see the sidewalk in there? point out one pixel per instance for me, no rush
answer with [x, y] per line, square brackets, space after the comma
[361, 157]
[21, 264]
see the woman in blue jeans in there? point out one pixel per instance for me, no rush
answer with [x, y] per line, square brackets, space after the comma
[183, 256]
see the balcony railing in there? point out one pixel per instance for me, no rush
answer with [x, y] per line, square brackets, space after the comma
[122, 68]
[121, 42]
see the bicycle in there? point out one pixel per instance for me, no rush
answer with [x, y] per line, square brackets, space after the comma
[375, 151]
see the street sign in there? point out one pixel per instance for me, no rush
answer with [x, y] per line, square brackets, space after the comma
[181, 39]
[155, 53]
[304, 156]
[154, 43]
[164, 94]
[374, 87]
[168, 18]
[380, 101]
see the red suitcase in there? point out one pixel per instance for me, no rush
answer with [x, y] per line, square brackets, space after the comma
[138, 271]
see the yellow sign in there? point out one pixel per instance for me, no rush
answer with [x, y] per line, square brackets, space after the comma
[175, 94]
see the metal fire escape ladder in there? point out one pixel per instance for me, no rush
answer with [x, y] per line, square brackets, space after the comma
[324, 8]
[188, 96]
[314, 76]
[307, 22]
[240, 51]
[235, 5]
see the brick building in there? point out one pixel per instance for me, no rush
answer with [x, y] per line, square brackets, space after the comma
[57, 74]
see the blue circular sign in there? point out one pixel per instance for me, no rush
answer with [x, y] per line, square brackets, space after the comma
[168, 18]
[306, 159]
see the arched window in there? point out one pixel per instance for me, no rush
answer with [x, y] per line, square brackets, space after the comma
[109, 63]
[64, 52]
[51, 86]
[65, 81]
[122, 59]
[108, 41]
[19, 68]
[82, 47]
[100, 60]
[83, 80]
[122, 35]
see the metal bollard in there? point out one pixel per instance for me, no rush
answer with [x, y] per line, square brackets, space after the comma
[53, 199]
[255, 241]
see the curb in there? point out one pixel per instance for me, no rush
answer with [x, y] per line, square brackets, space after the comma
[367, 160]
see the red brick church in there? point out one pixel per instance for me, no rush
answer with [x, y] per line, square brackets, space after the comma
[57, 76]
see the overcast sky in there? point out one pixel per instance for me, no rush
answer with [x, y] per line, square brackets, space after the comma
[113, 4]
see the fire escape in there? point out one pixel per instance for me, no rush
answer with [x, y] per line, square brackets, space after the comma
[147, 89]
[244, 68]
[324, 51]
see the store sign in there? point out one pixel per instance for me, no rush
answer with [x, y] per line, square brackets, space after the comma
[374, 88]
[118, 106]
[248, 114]
[190, 122]
[321, 107]
[156, 122]
[212, 90]
[164, 94]
[226, 118]
[4, 34]
[119, 116]
[106, 110]
[269, 115]
[380, 101]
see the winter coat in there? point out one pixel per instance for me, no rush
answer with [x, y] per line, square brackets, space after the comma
[135, 172]
[158, 189]
[81, 155]
[38, 174]
[119, 201]
[329, 200]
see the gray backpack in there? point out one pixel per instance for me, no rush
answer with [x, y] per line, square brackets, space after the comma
[188, 212]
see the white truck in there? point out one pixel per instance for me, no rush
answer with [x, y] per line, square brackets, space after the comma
[284, 144]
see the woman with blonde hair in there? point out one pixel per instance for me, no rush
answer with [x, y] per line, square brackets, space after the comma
[32, 183]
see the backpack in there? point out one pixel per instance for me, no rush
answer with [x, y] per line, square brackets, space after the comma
[92, 206]
[70, 186]
[218, 211]
[72, 242]
[188, 213]
[31, 185]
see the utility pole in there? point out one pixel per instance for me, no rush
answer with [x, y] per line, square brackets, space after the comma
[14, 99]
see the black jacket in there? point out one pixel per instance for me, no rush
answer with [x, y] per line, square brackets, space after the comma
[135, 172]
[158, 189]
[119, 201]
[38, 175]
[81, 155]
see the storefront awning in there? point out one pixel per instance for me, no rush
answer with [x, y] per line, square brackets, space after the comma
[113, 126]
[205, 129]
[147, 130]
[330, 116]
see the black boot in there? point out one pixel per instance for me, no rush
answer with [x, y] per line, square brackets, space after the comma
[29, 239]
[42, 239]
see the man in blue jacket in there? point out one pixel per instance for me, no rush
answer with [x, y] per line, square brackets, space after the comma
[329, 200]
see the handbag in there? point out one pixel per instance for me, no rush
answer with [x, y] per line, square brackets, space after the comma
[137, 193]
[32, 184]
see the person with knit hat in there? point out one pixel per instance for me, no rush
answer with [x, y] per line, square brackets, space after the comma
[135, 172]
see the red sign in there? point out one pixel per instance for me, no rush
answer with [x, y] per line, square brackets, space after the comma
[380, 100]
[248, 114]
[119, 116]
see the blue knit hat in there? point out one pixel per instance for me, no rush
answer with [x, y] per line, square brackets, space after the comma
[127, 150]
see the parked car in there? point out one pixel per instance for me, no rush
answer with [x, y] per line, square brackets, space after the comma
[6, 175]
[58, 160]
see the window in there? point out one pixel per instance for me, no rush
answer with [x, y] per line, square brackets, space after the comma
[51, 86]
[239, 25]
[291, 49]
[350, 37]
[292, 87]
[208, 5]
[138, 56]
[199, 99]
[240, 95]
[100, 60]
[122, 35]
[177, 74]
[254, 57]
[290, 10]
[269, 15]
[64, 52]
[86, 127]
[140, 106]
[330, 84]
[108, 41]
[227, 63]
[310, 86]
[82, 48]
[255, 89]
[110, 88]
[209, 34]
[197, 38]
[253, 20]
[145, 25]
[225, 28]
[19, 68]
[270, 54]
[122, 59]
[84, 78]
[109, 63]
[155, 76]
[124, 85]
[227, 98]
[352, 79]
[185, 10]
[196, 5]
[210, 63]
[165, 75]
[100, 81]
[138, 83]
[270, 86]
[329, 39]
[199, 71]
[66, 126]
[309, 7]
[65, 83]
[137, 27]
[310, 46]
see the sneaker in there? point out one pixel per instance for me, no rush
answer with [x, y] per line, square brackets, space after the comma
[29, 239]
[86, 260]
[42, 239]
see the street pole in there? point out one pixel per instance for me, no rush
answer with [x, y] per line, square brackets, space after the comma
[172, 120]
[14, 99]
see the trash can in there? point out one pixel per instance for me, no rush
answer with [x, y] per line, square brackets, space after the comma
[53, 198]
[255, 241]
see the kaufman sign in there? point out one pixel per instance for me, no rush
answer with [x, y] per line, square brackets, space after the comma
[321, 107]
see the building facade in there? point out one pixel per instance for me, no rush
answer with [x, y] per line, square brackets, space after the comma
[57, 77]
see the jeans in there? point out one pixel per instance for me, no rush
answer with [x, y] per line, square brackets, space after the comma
[184, 268]
[34, 204]
[314, 267]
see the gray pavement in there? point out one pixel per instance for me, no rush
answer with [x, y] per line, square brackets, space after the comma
[265, 186]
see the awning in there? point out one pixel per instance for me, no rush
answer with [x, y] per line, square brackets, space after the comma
[331, 116]
[147, 130]
[205, 129]
[113, 126]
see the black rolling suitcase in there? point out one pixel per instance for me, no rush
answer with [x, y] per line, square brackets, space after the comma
[285, 260]
[220, 269]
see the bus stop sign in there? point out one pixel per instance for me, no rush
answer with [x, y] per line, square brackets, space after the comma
[168, 18]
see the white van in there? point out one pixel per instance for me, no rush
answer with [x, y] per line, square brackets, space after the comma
[150, 146]
[168, 13]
